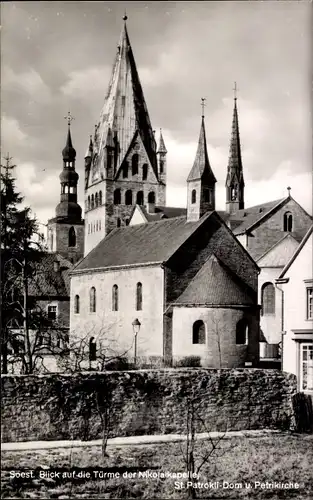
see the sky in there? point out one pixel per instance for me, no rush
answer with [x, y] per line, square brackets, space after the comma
[57, 57]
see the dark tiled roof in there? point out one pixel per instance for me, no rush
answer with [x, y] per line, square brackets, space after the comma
[142, 243]
[215, 284]
[48, 281]
[249, 216]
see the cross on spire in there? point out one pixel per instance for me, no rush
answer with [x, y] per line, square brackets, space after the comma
[69, 118]
[235, 89]
[203, 99]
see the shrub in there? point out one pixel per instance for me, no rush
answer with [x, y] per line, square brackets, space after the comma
[188, 361]
[119, 364]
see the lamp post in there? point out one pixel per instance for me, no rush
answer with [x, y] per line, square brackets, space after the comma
[136, 327]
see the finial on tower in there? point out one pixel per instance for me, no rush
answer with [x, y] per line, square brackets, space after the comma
[69, 118]
[203, 99]
[289, 189]
[235, 89]
[125, 16]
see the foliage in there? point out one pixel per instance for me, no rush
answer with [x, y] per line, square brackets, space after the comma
[188, 361]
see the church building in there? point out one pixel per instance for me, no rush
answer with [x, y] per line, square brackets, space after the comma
[190, 278]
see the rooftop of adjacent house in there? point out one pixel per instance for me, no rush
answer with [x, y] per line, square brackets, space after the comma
[52, 277]
[216, 284]
[306, 237]
[280, 253]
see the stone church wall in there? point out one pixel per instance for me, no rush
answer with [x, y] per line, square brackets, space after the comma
[143, 402]
[220, 349]
[116, 326]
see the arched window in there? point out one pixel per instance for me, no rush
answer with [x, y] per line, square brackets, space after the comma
[125, 171]
[135, 159]
[100, 197]
[92, 349]
[126, 222]
[139, 297]
[51, 240]
[72, 237]
[288, 222]
[115, 298]
[76, 304]
[96, 200]
[128, 197]
[242, 332]
[161, 166]
[193, 196]
[198, 332]
[117, 197]
[151, 197]
[139, 198]
[88, 202]
[233, 193]
[97, 226]
[118, 222]
[92, 298]
[92, 201]
[144, 171]
[268, 299]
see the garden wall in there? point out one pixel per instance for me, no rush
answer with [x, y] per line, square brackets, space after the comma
[52, 407]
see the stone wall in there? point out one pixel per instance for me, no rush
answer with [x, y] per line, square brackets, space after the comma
[143, 402]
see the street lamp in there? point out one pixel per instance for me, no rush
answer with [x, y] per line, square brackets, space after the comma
[136, 327]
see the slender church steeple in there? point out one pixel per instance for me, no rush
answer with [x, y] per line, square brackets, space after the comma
[201, 180]
[66, 229]
[234, 180]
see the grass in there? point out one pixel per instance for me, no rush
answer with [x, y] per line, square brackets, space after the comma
[281, 457]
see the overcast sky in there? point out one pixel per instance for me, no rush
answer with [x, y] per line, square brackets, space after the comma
[58, 56]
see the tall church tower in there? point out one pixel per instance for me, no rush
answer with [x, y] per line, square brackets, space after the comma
[234, 180]
[201, 180]
[121, 164]
[66, 229]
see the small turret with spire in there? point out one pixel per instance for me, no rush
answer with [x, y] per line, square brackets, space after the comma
[201, 180]
[162, 162]
[234, 180]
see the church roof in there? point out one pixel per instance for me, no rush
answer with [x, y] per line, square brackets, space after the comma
[124, 110]
[201, 164]
[248, 217]
[163, 213]
[154, 242]
[216, 284]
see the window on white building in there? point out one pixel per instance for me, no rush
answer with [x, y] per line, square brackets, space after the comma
[309, 303]
[306, 367]
[198, 332]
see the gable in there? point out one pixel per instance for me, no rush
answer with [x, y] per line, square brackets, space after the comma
[301, 260]
[137, 148]
[137, 217]
[280, 253]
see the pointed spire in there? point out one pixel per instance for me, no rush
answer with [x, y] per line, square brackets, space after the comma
[201, 164]
[89, 151]
[69, 152]
[235, 162]
[161, 148]
[124, 110]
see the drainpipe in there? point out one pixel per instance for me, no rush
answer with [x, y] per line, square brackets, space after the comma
[283, 332]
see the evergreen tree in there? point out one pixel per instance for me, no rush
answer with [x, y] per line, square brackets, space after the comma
[21, 251]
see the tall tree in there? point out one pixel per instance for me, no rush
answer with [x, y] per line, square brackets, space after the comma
[21, 250]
